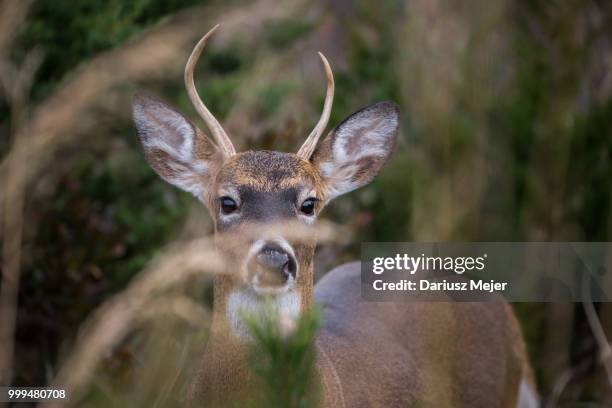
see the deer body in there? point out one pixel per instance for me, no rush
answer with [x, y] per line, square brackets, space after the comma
[378, 354]
[368, 353]
[418, 354]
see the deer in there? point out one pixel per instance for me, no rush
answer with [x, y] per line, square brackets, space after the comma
[369, 354]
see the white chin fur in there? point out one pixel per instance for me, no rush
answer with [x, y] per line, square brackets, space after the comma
[245, 301]
[266, 290]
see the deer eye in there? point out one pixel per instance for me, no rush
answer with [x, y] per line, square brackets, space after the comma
[228, 205]
[308, 206]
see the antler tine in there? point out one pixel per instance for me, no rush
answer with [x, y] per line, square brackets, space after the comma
[223, 141]
[311, 142]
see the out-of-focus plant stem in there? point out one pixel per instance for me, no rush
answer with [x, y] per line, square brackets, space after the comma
[15, 83]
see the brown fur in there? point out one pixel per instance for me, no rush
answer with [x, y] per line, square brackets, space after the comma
[269, 171]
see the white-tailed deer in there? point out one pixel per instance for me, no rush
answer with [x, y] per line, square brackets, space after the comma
[368, 353]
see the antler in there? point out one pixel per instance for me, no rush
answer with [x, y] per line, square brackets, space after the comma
[311, 142]
[223, 141]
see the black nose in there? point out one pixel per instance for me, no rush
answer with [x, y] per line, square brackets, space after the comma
[273, 265]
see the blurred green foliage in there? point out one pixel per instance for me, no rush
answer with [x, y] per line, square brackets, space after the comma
[72, 31]
[282, 33]
[283, 359]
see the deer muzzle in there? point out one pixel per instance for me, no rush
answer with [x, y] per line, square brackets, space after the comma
[272, 267]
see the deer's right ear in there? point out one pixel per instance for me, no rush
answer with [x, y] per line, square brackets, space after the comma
[357, 149]
[174, 147]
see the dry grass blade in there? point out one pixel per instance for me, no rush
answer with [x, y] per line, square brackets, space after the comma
[177, 306]
[16, 83]
[113, 320]
[12, 14]
[605, 351]
[147, 296]
[294, 231]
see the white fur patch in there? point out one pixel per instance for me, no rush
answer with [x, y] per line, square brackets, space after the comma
[527, 397]
[245, 301]
[373, 131]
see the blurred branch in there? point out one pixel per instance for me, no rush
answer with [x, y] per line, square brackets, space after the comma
[177, 306]
[595, 324]
[596, 327]
[15, 82]
[560, 385]
[113, 320]
[12, 14]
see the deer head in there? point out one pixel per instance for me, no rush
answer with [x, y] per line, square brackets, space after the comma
[262, 187]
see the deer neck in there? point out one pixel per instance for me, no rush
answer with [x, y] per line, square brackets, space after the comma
[228, 345]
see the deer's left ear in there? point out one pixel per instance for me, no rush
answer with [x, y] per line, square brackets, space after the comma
[357, 149]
